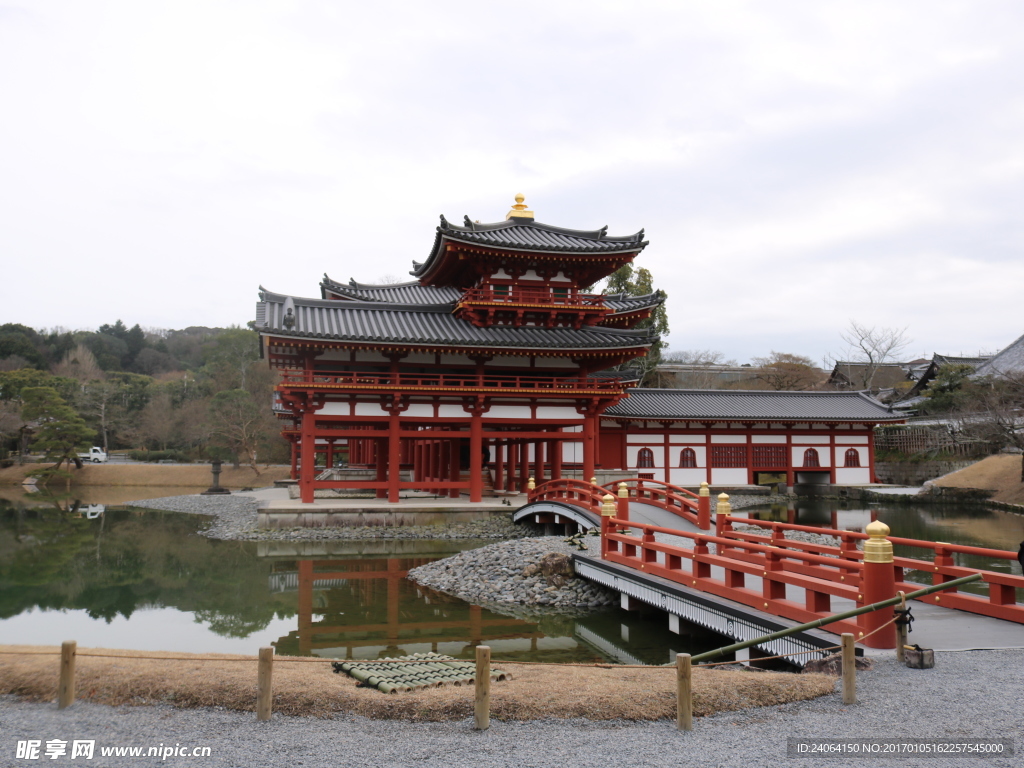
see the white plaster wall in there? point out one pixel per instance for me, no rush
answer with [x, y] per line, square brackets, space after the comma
[514, 362]
[420, 410]
[699, 451]
[851, 439]
[531, 275]
[729, 477]
[688, 439]
[852, 475]
[553, 362]
[555, 412]
[572, 452]
[763, 439]
[451, 412]
[644, 440]
[688, 476]
[369, 409]
[418, 357]
[371, 357]
[561, 278]
[509, 412]
[798, 457]
[335, 409]
[811, 439]
[729, 439]
[334, 354]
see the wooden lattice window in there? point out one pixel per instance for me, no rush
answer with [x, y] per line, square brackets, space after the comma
[645, 459]
[811, 458]
[852, 458]
[728, 456]
[770, 456]
[688, 458]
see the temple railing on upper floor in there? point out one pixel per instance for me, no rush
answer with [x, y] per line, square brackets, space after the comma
[546, 297]
[450, 381]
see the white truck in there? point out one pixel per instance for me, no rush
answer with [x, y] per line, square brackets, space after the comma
[95, 455]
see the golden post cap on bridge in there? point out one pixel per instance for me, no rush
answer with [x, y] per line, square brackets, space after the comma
[608, 507]
[593, 481]
[724, 507]
[623, 491]
[877, 549]
[531, 484]
[704, 490]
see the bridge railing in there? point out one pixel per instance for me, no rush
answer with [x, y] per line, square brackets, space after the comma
[680, 501]
[1001, 601]
[578, 492]
[821, 571]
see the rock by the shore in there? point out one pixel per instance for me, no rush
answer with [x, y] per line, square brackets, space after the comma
[529, 572]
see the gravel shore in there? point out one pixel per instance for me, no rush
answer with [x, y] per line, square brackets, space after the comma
[969, 695]
[234, 518]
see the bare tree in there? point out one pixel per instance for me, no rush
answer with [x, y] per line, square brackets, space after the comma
[993, 411]
[79, 364]
[867, 350]
[782, 371]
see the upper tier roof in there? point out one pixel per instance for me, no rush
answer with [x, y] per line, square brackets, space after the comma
[427, 325]
[520, 235]
[714, 404]
[415, 294]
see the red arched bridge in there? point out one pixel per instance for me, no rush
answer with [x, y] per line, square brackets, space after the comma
[661, 537]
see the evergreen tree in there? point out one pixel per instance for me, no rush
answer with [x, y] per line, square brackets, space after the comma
[640, 282]
[58, 431]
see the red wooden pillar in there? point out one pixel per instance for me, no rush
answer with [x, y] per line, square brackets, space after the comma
[476, 457]
[381, 460]
[454, 468]
[538, 461]
[555, 450]
[499, 465]
[588, 447]
[295, 458]
[307, 469]
[871, 453]
[877, 583]
[513, 467]
[394, 456]
[524, 465]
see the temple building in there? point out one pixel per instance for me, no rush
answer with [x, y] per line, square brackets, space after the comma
[495, 364]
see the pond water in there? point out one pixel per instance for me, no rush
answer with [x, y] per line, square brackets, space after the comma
[116, 577]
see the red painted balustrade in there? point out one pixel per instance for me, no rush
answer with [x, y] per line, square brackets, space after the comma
[674, 498]
[443, 381]
[822, 572]
[536, 296]
[1001, 603]
[576, 492]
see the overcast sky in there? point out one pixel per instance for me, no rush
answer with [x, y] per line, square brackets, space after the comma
[796, 165]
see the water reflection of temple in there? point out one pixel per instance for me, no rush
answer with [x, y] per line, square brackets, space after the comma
[362, 608]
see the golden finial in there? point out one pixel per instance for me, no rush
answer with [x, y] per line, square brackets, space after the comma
[877, 549]
[704, 490]
[608, 506]
[519, 210]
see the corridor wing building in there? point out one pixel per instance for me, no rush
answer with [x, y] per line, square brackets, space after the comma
[495, 365]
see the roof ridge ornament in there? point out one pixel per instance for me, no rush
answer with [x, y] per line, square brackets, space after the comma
[519, 210]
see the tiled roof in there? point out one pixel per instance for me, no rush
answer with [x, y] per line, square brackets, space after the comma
[1008, 361]
[397, 293]
[365, 321]
[621, 302]
[530, 236]
[703, 404]
[952, 360]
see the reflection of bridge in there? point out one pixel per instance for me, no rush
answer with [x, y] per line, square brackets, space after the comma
[386, 614]
[657, 547]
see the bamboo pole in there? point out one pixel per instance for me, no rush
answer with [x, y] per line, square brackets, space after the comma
[483, 688]
[837, 617]
[901, 633]
[684, 692]
[265, 683]
[849, 670]
[66, 688]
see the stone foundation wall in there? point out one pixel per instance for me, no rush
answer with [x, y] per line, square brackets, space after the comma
[915, 473]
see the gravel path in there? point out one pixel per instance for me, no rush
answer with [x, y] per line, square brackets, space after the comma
[973, 694]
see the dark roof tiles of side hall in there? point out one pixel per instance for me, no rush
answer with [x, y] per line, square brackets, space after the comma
[707, 404]
[1008, 361]
[415, 294]
[520, 234]
[432, 325]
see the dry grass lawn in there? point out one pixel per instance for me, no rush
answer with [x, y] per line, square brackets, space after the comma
[190, 476]
[306, 687]
[995, 473]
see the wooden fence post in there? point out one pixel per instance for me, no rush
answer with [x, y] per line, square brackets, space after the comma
[901, 631]
[483, 688]
[265, 684]
[684, 692]
[66, 688]
[849, 670]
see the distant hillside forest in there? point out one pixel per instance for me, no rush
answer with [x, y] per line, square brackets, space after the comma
[192, 394]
